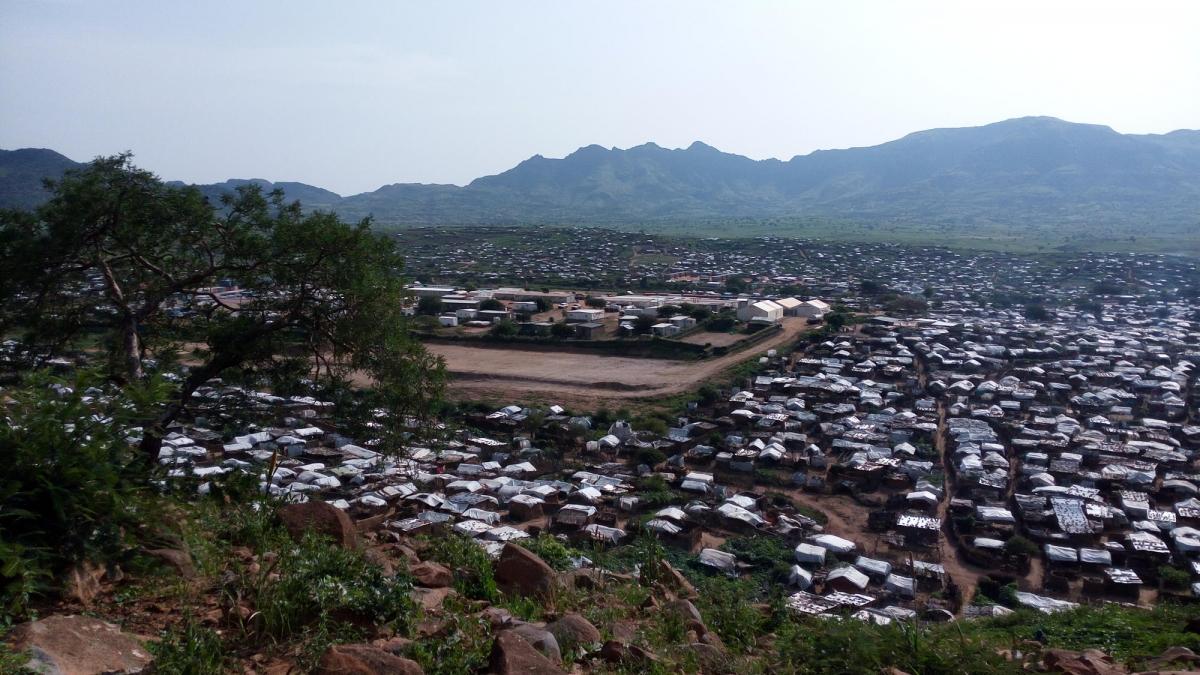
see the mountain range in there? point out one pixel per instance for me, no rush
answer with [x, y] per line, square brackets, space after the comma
[1029, 172]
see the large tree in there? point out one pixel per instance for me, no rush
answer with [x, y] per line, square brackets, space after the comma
[118, 253]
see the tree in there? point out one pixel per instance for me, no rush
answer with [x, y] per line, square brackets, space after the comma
[504, 328]
[429, 305]
[1036, 312]
[491, 305]
[141, 262]
[642, 325]
[836, 320]
[594, 302]
[562, 330]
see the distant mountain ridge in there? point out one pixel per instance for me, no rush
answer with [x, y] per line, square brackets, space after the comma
[1025, 172]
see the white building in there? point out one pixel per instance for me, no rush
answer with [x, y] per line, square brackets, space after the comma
[813, 309]
[585, 315]
[763, 311]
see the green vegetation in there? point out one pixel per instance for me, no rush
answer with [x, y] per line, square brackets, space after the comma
[73, 490]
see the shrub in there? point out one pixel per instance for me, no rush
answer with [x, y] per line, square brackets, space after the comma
[1018, 545]
[1174, 578]
[189, 649]
[474, 576]
[334, 589]
[548, 547]
[462, 646]
[72, 485]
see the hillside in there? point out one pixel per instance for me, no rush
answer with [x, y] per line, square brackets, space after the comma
[1035, 172]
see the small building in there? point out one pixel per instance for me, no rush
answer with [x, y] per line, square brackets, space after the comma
[664, 329]
[585, 315]
[589, 330]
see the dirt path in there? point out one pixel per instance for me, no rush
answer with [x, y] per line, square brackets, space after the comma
[582, 380]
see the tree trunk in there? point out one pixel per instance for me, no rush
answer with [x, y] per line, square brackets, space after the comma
[131, 350]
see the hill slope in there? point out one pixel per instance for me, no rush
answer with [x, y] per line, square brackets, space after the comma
[1034, 172]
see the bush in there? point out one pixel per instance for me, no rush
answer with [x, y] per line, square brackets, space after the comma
[1020, 546]
[474, 576]
[1174, 578]
[189, 649]
[332, 589]
[547, 547]
[72, 485]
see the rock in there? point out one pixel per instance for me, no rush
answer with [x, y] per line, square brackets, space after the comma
[394, 645]
[1087, 662]
[179, 560]
[79, 645]
[321, 518]
[522, 571]
[431, 598]
[675, 580]
[431, 575]
[574, 632]
[379, 557]
[541, 640]
[83, 582]
[1173, 656]
[497, 617]
[364, 660]
[614, 652]
[511, 655]
[686, 611]
[709, 658]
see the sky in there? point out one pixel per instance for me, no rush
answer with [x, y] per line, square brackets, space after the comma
[352, 95]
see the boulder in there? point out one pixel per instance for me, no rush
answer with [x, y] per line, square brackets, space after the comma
[319, 517]
[431, 598]
[177, 559]
[675, 580]
[709, 658]
[541, 640]
[364, 660]
[686, 611]
[79, 645]
[574, 632]
[522, 571]
[431, 575]
[512, 655]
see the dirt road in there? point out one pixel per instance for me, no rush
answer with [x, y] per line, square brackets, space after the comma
[583, 380]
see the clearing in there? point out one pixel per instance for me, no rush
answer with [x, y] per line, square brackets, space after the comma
[581, 380]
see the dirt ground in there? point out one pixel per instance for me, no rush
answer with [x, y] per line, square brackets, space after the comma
[715, 339]
[582, 380]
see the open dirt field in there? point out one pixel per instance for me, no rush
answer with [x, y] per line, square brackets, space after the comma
[583, 380]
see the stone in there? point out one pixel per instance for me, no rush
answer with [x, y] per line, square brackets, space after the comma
[83, 582]
[512, 655]
[79, 645]
[1087, 662]
[709, 658]
[364, 660]
[321, 518]
[675, 580]
[686, 611]
[574, 632]
[431, 598]
[177, 559]
[431, 575]
[541, 640]
[522, 571]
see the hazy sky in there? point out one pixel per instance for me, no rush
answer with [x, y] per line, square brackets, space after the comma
[353, 95]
